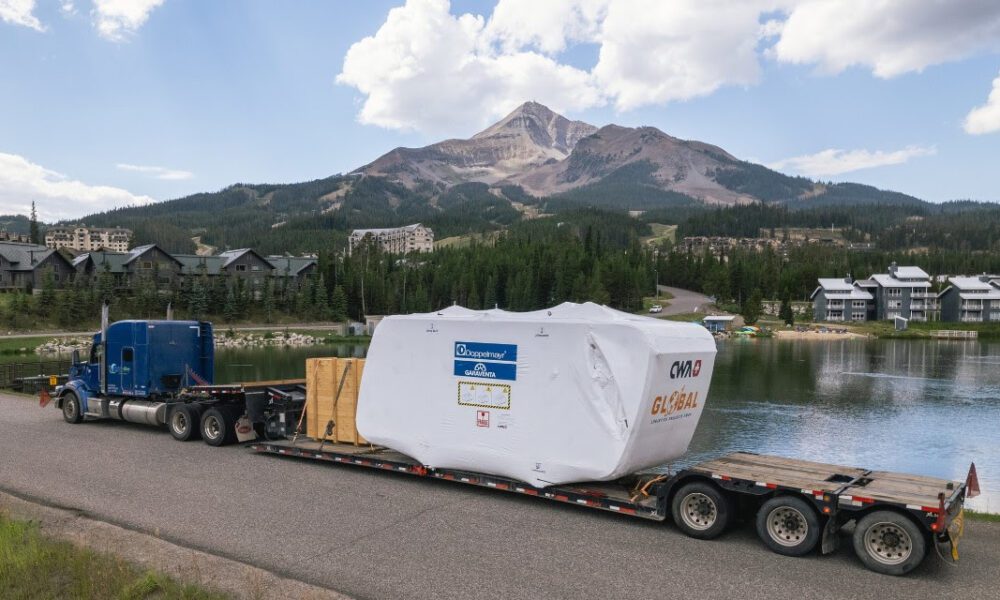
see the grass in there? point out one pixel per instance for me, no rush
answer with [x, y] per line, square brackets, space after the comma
[33, 566]
[649, 301]
[686, 317]
[22, 345]
[981, 516]
[919, 330]
[661, 233]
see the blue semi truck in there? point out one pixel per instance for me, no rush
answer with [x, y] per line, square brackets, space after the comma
[161, 373]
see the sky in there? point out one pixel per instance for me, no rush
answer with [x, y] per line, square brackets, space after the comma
[108, 103]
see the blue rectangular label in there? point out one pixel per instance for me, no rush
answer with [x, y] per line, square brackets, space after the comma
[486, 370]
[484, 351]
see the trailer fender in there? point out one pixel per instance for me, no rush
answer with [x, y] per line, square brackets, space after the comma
[77, 388]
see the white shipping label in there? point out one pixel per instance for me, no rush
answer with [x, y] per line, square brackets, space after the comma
[484, 395]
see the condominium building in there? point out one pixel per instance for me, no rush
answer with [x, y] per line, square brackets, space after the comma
[395, 240]
[88, 239]
[903, 292]
[842, 300]
[970, 300]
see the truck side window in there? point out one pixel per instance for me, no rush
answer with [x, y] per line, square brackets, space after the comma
[126, 355]
[95, 354]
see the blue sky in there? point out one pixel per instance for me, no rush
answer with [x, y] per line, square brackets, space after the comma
[111, 102]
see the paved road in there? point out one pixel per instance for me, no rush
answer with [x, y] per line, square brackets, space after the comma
[684, 301]
[380, 535]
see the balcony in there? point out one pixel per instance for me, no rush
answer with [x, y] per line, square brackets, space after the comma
[923, 295]
[839, 304]
[972, 305]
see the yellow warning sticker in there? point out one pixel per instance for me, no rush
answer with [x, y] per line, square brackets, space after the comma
[484, 395]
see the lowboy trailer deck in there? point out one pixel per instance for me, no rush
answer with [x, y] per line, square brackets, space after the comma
[797, 505]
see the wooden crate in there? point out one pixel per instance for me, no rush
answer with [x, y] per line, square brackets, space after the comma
[322, 381]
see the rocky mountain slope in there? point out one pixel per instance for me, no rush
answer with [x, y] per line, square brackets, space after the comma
[526, 139]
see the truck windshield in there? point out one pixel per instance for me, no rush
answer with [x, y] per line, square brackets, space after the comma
[95, 354]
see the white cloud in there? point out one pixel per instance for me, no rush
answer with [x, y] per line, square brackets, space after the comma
[156, 172]
[20, 12]
[428, 69]
[835, 162]
[116, 20]
[891, 37]
[985, 118]
[56, 196]
[67, 7]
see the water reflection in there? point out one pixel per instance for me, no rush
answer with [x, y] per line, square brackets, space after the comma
[919, 407]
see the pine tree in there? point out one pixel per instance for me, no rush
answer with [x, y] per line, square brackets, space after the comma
[33, 231]
[753, 307]
[338, 304]
[786, 313]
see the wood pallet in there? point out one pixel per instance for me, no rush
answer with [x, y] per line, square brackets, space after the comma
[325, 379]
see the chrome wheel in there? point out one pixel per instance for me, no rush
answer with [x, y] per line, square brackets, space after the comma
[213, 428]
[787, 526]
[179, 422]
[698, 511]
[888, 543]
[69, 408]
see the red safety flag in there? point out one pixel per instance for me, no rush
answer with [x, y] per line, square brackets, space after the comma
[44, 398]
[972, 482]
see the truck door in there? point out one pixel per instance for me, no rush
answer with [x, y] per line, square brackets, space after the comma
[128, 371]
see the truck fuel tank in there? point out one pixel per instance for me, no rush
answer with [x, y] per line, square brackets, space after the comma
[144, 412]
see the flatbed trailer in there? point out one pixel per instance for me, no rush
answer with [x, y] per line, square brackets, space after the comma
[797, 505]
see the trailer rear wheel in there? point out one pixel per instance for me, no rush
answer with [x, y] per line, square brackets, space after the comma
[185, 423]
[701, 510]
[888, 542]
[72, 413]
[218, 427]
[788, 525]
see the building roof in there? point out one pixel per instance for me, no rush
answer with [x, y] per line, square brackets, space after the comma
[719, 318]
[886, 280]
[911, 273]
[290, 265]
[197, 265]
[24, 257]
[385, 229]
[970, 283]
[103, 259]
[230, 255]
[836, 285]
[993, 294]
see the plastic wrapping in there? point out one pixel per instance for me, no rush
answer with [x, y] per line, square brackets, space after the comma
[579, 392]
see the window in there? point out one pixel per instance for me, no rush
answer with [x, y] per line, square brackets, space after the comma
[95, 353]
[255, 268]
[241, 268]
[127, 355]
[858, 316]
[146, 264]
[892, 314]
[858, 304]
[895, 304]
[893, 292]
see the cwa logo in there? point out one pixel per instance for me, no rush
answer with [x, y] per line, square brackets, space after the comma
[685, 368]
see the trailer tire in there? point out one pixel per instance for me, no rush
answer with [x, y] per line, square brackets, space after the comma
[71, 410]
[789, 525]
[218, 427]
[701, 510]
[888, 542]
[185, 422]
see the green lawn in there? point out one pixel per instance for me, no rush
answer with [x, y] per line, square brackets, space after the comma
[981, 516]
[34, 567]
[15, 345]
[661, 233]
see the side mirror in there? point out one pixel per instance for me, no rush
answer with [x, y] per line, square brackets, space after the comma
[76, 357]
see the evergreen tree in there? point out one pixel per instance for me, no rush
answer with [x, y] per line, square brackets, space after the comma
[753, 307]
[33, 232]
[786, 313]
[338, 304]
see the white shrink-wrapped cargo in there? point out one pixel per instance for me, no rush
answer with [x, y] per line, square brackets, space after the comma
[579, 392]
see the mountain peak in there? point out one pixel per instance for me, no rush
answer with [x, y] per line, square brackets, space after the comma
[545, 127]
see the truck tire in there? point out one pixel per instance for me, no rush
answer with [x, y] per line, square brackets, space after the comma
[789, 525]
[218, 427]
[185, 422]
[888, 542]
[701, 510]
[71, 410]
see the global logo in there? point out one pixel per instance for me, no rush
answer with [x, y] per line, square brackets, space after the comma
[685, 368]
[480, 370]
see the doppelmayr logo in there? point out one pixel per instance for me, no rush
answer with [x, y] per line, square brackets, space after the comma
[485, 351]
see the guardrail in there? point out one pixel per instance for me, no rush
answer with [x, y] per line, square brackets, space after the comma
[32, 376]
[951, 334]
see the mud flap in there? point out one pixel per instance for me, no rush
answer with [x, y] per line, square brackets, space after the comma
[244, 430]
[955, 531]
[830, 541]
